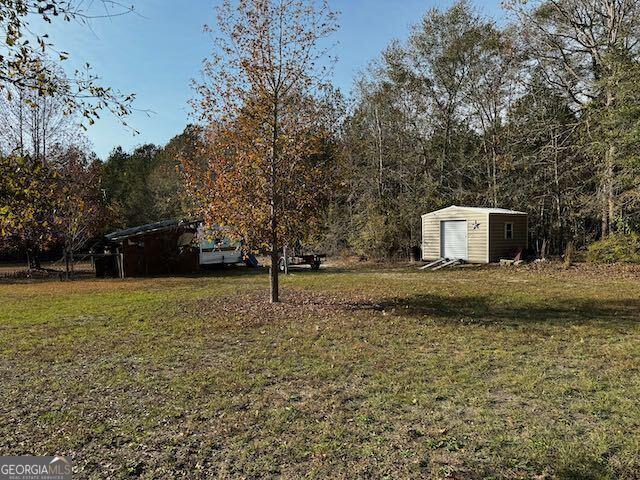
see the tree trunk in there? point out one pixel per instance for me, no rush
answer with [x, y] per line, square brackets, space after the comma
[610, 188]
[273, 277]
[445, 147]
[605, 214]
[380, 157]
[33, 259]
[608, 205]
[21, 122]
[66, 264]
[558, 195]
[43, 139]
[273, 272]
[489, 183]
[494, 155]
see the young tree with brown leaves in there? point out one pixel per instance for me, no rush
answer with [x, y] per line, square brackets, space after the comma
[267, 122]
[81, 212]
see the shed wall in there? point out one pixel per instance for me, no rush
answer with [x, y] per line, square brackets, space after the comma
[158, 253]
[499, 247]
[477, 233]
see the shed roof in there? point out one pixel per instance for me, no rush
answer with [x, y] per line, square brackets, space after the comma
[478, 209]
[150, 227]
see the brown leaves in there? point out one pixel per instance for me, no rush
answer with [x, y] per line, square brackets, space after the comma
[234, 188]
[298, 306]
[27, 201]
[268, 139]
[41, 202]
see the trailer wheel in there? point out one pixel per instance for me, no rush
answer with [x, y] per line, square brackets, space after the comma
[315, 265]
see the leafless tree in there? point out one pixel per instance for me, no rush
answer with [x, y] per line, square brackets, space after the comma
[31, 124]
[575, 44]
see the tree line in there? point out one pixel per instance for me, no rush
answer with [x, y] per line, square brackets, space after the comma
[539, 114]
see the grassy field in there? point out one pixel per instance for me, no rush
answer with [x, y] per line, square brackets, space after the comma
[469, 373]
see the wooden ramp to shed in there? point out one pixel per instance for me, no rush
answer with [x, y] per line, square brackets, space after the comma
[432, 264]
[441, 263]
[449, 263]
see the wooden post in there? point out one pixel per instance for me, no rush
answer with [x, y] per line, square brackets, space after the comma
[120, 264]
[286, 259]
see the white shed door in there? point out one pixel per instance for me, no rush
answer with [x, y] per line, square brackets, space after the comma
[453, 239]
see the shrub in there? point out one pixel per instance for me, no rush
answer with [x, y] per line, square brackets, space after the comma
[617, 247]
[371, 236]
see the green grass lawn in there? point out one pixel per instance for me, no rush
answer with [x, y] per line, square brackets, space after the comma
[468, 373]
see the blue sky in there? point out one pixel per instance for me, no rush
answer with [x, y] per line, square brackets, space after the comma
[158, 51]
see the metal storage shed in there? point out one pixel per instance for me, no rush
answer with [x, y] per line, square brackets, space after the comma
[473, 234]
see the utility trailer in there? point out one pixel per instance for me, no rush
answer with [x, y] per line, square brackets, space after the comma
[314, 260]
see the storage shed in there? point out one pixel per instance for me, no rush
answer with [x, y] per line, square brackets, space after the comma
[162, 248]
[473, 234]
